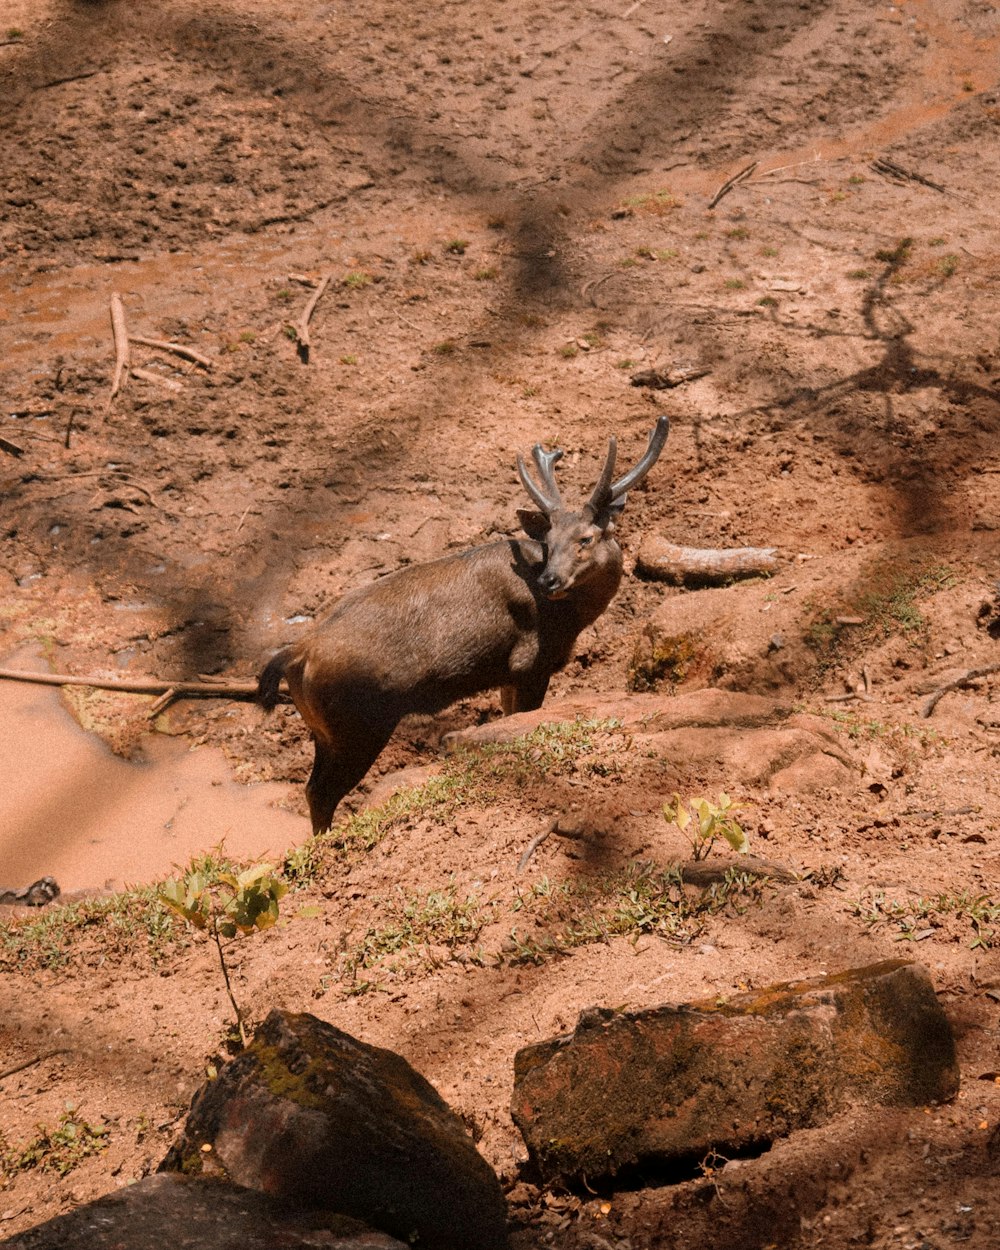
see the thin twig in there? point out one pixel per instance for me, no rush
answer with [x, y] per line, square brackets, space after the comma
[30, 1063]
[149, 375]
[177, 348]
[972, 675]
[12, 449]
[121, 346]
[239, 690]
[532, 847]
[58, 82]
[728, 185]
[301, 327]
[588, 288]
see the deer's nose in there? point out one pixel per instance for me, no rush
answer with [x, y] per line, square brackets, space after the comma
[550, 582]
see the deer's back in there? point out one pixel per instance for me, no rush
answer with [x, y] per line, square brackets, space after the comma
[422, 637]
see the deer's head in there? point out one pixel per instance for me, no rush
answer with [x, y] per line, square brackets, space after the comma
[579, 546]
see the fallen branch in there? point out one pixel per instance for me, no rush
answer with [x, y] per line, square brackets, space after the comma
[238, 690]
[301, 327]
[12, 449]
[972, 675]
[728, 185]
[178, 349]
[889, 169]
[701, 873]
[664, 379]
[121, 346]
[696, 566]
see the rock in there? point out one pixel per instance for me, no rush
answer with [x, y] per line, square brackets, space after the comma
[312, 1115]
[197, 1213]
[673, 1083]
[738, 738]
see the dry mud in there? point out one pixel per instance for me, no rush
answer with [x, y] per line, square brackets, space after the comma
[514, 204]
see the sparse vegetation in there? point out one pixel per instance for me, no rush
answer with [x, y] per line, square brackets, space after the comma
[885, 598]
[58, 1150]
[456, 247]
[357, 279]
[942, 915]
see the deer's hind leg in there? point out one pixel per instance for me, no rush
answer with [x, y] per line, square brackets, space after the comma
[337, 769]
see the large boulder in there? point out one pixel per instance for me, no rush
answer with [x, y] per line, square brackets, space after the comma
[672, 1084]
[170, 1212]
[312, 1115]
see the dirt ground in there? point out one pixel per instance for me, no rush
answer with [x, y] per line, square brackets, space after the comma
[519, 209]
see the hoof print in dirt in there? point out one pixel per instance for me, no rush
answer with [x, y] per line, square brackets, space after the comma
[667, 1086]
[309, 1114]
[165, 1212]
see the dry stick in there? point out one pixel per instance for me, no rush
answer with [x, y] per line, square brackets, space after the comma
[588, 288]
[148, 375]
[177, 348]
[302, 326]
[13, 449]
[728, 185]
[239, 690]
[30, 1063]
[121, 346]
[971, 675]
[532, 847]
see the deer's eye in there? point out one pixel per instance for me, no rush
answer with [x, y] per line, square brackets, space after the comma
[587, 540]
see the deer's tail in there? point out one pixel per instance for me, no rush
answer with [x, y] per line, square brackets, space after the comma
[270, 679]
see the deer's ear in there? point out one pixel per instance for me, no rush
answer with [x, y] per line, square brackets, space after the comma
[535, 524]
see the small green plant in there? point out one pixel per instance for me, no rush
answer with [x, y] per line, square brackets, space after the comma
[248, 336]
[735, 284]
[225, 904]
[421, 257]
[856, 179]
[767, 301]
[569, 350]
[456, 247]
[357, 279]
[948, 265]
[769, 251]
[284, 294]
[705, 822]
[625, 364]
[58, 1149]
[447, 347]
[15, 32]
[858, 275]
[486, 274]
[349, 360]
[738, 232]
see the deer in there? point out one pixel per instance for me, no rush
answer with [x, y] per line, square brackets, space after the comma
[505, 615]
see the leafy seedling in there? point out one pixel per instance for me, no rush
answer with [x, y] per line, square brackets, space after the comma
[225, 904]
[705, 822]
